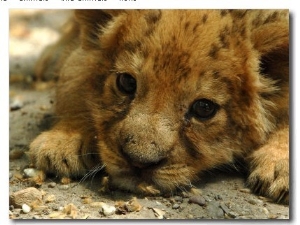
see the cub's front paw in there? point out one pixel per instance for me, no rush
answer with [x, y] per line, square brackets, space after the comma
[269, 168]
[58, 152]
[271, 180]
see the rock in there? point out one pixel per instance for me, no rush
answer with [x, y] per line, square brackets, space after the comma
[197, 199]
[255, 201]
[17, 103]
[105, 209]
[11, 207]
[133, 205]
[26, 208]
[176, 206]
[159, 213]
[108, 210]
[16, 154]
[214, 211]
[30, 172]
[52, 185]
[224, 207]
[190, 216]
[50, 198]
[218, 197]
[25, 196]
[64, 187]
[178, 198]
[245, 190]
[71, 210]
[55, 208]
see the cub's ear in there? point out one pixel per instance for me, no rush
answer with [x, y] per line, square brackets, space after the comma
[270, 36]
[92, 22]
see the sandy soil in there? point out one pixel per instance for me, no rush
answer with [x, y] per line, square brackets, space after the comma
[224, 195]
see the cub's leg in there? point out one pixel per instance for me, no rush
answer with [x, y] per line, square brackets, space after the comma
[269, 168]
[62, 151]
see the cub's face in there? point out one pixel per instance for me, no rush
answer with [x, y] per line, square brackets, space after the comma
[171, 93]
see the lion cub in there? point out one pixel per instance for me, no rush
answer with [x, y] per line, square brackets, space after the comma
[158, 96]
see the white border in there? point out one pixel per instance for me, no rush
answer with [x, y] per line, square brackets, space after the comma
[163, 4]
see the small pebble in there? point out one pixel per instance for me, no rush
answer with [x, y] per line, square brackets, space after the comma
[245, 190]
[233, 214]
[218, 197]
[175, 206]
[11, 207]
[158, 203]
[50, 198]
[197, 199]
[26, 208]
[16, 104]
[160, 214]
[224, 207]
[178, 198]
[190, 216]
[265, 210]
[64, 187]
[52, 185]
[108, 210]
[133, 205]
[30, 172]
[55, 208]
[10, 175]
[255, 201]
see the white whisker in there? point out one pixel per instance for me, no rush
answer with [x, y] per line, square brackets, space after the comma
[91, 173]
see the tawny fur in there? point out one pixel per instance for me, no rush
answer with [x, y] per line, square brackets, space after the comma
[150, 140]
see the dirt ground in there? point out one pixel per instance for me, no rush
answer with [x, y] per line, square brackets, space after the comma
[224, 195]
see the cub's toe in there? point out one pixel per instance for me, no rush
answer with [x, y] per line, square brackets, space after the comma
[57, 152]
[272, 182]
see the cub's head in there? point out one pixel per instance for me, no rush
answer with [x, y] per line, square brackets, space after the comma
[176, 92]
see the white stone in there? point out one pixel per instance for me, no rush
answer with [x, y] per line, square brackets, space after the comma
[30, 172]
[26, 208]
[108, 210]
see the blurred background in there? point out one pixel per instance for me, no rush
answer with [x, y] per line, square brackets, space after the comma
[30, 31]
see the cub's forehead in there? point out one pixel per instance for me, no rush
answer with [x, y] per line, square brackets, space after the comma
[183, 32]
[175, 44]
[180, 28]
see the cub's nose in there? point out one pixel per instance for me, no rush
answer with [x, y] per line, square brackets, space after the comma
[142, 159]
[143, 154]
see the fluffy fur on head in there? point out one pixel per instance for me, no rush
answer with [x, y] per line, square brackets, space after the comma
[162, 95]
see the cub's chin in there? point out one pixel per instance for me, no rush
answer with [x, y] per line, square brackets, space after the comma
[176, 171]
[152, 179]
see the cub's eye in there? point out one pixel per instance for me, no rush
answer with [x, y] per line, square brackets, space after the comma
[126, 83]
[204, 109]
